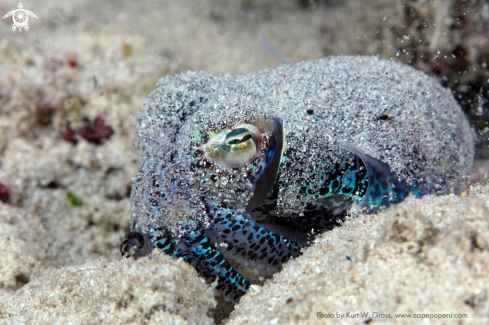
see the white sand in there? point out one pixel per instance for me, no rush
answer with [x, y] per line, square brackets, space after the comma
[128, 47]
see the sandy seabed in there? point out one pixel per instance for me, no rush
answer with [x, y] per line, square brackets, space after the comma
[83, 60]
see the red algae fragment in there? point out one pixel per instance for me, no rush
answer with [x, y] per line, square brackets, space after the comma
[96, 132]
[55, 64]
[72, 61]
[68, 134]
[4, 192]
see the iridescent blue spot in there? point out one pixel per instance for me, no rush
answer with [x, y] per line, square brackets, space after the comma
[348, 179]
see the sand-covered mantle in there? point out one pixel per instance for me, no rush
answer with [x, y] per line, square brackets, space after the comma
[83, 60]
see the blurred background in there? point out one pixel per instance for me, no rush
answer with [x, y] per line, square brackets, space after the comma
[72, 85]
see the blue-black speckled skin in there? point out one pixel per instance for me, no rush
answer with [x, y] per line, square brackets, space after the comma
[328, 133]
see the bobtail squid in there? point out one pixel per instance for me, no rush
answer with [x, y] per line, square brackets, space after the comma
[239, 172]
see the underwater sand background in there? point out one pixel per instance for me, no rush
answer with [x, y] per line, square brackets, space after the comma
[84, 62]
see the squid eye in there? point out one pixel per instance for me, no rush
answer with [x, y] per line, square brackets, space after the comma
[234, 148]
[244, 139]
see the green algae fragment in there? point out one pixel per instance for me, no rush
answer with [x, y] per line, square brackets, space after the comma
[74, 200]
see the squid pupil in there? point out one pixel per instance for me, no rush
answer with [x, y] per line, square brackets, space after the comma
[243, 139]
